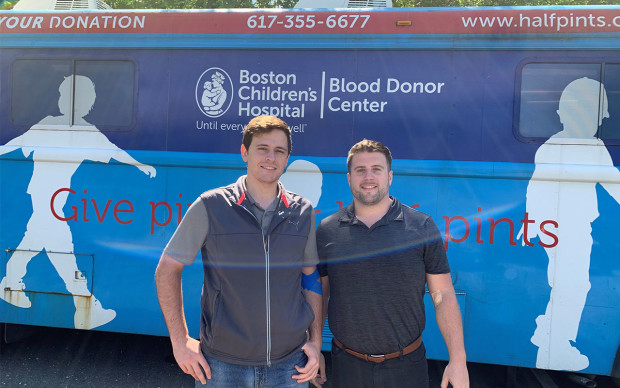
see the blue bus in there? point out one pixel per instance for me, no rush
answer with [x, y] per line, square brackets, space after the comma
[504, 124]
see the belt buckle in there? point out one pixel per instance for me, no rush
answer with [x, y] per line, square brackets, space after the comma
[378, 356]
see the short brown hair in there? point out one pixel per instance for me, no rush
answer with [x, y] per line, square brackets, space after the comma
[265, 124]
[369, 146]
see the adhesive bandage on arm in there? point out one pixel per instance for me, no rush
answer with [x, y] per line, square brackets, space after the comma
[311, 282]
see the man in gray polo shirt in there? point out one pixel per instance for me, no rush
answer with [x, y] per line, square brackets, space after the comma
[260, 320]
[376, 256]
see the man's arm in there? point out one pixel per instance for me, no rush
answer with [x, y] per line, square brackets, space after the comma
[321, 378]
[170, 295]
[449, 321]
[325, 285]
[313, 347]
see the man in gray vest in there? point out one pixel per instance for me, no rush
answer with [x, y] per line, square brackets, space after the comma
[261, 296]
[376, 256]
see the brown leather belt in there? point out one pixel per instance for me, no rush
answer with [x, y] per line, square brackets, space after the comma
[379, 358]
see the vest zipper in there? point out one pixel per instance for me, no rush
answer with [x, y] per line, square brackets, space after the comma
[268, 299]
[267, 287]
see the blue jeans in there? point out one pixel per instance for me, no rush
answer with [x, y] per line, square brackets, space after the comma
[225, 375]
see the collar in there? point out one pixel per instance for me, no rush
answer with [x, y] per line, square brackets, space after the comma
[240, 193]
[394, 213]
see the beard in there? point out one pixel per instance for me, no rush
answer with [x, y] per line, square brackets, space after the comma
[370, 199]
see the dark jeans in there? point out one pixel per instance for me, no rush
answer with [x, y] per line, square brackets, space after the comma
[351, 372]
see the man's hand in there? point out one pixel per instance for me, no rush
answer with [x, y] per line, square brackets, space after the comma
[455, 374]
[190, 359]
[321, 377]
[309, 371]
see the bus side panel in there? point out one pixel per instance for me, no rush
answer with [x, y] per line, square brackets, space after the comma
[456, 158]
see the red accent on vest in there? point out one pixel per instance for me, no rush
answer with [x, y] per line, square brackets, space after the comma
[242, 198]
[284, 199]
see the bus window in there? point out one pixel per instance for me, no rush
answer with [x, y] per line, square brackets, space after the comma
[36, 93]
[539, 96]
[610, 129]
[114, 85]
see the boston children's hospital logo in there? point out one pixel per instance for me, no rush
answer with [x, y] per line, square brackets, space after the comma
[214, 92]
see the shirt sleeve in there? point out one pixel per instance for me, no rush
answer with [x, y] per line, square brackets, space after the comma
[320, 246]
[435, 258]
[190, 235]
[311, 257]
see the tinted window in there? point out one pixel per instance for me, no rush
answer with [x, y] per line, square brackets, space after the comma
[610, 130]
[542, 85]
[36, 93]
[34, 90]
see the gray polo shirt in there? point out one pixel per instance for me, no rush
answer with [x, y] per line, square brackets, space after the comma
[192, 232]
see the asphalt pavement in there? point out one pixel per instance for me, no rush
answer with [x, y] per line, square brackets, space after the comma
[51, 357]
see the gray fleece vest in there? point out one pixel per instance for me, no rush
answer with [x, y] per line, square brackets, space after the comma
[253, 308]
